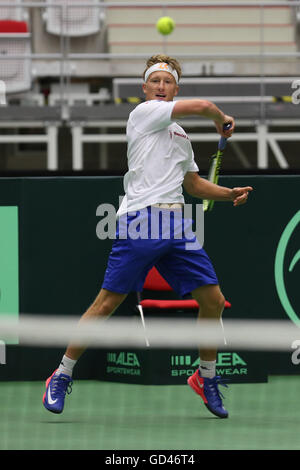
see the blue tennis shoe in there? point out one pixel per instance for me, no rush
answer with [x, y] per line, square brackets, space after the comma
[57, 385]
[208, 389]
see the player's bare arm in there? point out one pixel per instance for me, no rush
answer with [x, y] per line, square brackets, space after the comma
[201, 188]
[206, 109]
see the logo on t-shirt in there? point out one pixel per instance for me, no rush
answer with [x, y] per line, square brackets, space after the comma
[181, 135]
[178, 134]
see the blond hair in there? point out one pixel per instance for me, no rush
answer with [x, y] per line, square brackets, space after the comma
[156, 59]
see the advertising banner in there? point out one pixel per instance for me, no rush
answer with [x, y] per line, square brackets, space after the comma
[9, 267]
[57, 266]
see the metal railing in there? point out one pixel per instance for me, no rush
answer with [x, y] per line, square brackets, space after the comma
[64, 56]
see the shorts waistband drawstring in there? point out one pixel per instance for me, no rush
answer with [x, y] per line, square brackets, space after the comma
[164, 205]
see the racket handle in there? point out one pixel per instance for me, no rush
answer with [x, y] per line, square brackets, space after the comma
[223, 140]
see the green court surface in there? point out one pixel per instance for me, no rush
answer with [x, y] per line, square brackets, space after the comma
[106, 416]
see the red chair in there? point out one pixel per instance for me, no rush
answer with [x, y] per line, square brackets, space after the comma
[156, 283]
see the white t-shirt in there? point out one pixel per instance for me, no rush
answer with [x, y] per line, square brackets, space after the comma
[159, 155]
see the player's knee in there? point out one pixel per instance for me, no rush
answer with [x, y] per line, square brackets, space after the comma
[220, 303]
[214, 305]
[106, 303]
[217, 303]
[103, 308]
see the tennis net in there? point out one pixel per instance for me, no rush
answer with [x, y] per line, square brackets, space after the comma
[129, 387]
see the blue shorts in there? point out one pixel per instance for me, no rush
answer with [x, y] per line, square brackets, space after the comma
[142, 241]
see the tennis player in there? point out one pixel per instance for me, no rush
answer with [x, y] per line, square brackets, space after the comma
[160, 163]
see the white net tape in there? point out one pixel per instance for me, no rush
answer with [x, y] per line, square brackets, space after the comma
[158, 333]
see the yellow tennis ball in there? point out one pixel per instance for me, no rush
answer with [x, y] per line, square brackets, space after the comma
[165, 25]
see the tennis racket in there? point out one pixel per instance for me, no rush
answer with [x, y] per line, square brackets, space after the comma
[214, 168]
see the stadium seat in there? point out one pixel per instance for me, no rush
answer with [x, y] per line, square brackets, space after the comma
[15, 40]
[76, 94]
[17, 13]
[62, 18]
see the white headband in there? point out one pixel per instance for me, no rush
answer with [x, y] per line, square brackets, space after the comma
[161, 67]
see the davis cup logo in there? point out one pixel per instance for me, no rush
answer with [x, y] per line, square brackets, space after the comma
[286, 265]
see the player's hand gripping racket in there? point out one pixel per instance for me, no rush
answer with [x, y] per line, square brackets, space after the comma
[214, 168]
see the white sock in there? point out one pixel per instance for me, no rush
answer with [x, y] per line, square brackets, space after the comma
[207, 368]
[66, 366]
